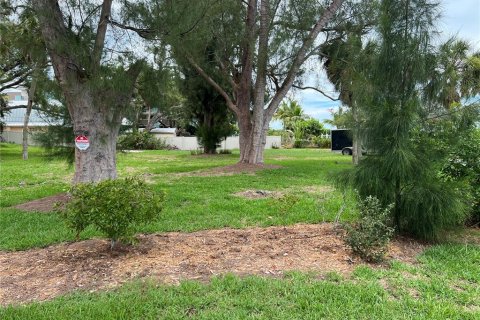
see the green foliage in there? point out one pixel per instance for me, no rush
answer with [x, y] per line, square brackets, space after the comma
[312, 127]
[211, 135]
[275, 132]
[430, 208]
[300, 143]
[285, 203]
[463, 165]
[114, 207]
[401, 169]
[302, 131]
[290, 113]
[206, 109]
[455, 75]
[141, 141]
[370, 235]
[324, 143]
[58, 142]
[341, 119]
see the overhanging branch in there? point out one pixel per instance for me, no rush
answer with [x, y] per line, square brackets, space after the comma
[317, 90]
[212, 82]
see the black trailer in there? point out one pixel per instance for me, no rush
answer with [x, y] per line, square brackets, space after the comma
[342, 140]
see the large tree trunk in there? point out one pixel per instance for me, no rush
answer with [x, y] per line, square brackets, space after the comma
[356, 149]
[95, 110]
[25, 130]
[100, 125]
[98, 162]
[357, 143]
[253, 126]
[253, 138]
[26, 119]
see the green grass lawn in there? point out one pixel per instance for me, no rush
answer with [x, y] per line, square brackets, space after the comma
[192, 203]
[444, 284]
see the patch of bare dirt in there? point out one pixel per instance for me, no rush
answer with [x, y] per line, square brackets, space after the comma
[230, 170]
[43, 274]
[46, 204]
[258, 194]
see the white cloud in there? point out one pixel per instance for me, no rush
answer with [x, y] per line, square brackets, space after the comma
[461, 18]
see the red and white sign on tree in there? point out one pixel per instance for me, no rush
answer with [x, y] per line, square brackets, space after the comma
[82, 143]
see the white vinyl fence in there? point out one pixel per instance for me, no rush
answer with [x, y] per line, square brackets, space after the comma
[15, 137]
[191, 143]
[182, 143]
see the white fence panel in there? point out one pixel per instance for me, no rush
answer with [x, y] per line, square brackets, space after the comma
[191, 143]
[16, 137]
[182, 143]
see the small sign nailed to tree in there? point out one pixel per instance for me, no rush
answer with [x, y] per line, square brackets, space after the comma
[82, 143]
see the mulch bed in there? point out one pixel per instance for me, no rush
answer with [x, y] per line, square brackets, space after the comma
[42, 274]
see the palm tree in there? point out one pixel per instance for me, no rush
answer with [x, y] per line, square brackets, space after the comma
[290, 112]
[455, 76]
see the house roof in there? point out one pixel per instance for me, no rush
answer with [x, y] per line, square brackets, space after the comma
[14, 118]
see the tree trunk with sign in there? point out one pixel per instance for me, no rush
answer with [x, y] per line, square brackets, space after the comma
[96, 96]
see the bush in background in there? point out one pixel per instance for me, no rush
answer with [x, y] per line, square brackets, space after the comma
[463, 165]
[324, 143]
[301, 143]
[370, 235]
[141, 141]
[114, 207]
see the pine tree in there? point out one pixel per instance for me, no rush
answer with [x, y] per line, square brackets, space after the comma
[399, 169]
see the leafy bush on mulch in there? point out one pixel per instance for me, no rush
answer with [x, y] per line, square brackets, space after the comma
[370, 235]
[114, 207]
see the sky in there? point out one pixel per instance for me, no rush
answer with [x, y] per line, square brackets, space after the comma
[460, 18]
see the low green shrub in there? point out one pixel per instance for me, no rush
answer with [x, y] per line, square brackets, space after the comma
[141, 141]
[370, 235]
[285, 203]
[324, 143]
[463, 165]
[114, 207]
[300, 143]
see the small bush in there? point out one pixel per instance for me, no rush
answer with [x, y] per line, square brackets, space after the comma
[324, 143]
[225, 151]
[114, 207]
[463, 165]
[300, 143]
[369, 237]
[285, 203]
[141, 141]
